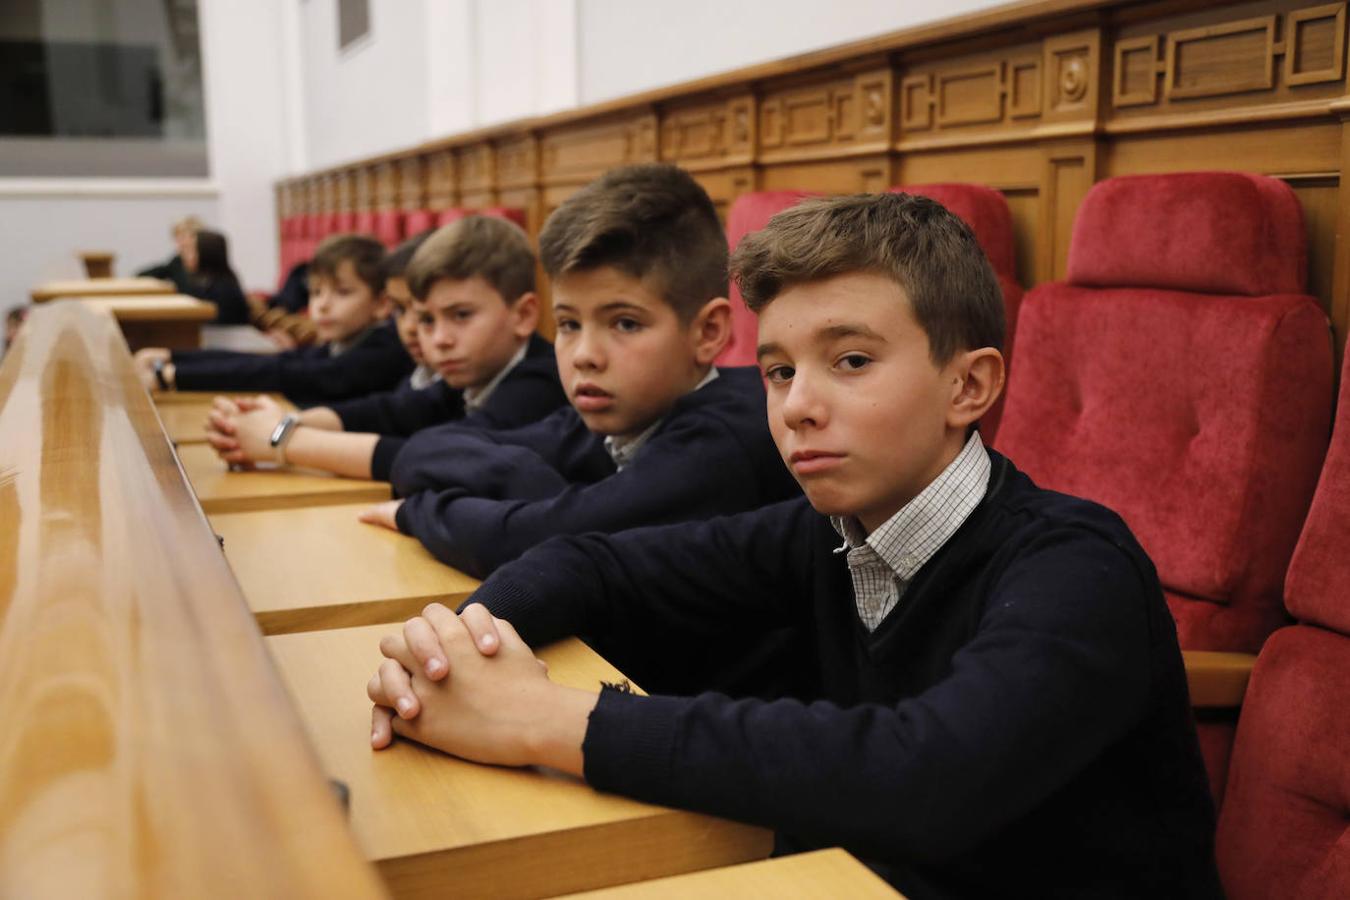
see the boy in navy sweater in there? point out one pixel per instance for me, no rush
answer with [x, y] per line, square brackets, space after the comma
[357, 352]
[655, 432]
[995, 702]
[472, 289]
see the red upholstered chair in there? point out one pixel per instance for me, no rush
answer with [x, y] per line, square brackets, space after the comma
[986, 212]
[1285, 828]
[453, 214]
[363, 222]
[343, 223]
[1181, 377]
[388, 227]
[510, 213]
[750, 212]
[416, 221]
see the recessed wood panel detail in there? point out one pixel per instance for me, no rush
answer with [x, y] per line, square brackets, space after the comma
[517, 162]
[820, 120]
[716, 133]
[411, 182]
[581, 152]
[386, 175]
[343, 195]
[1221, 59]
[442, 180]
[363, 194]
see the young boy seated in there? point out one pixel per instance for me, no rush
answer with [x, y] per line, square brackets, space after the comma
[997, 704]
[655, 433]
[470, 285]
[356, 354]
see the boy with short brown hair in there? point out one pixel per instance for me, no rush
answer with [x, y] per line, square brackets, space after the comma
[995, 703]
[471, 294]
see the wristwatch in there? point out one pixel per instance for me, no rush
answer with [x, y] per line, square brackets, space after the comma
[281, 436]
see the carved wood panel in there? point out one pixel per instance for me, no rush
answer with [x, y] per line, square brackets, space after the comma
[363, 189]
[991, 92]
[442, 179]
[842, 116]
[580, 152]
[517, 162]
[344, 196]
[386, 176]
[477, 174]
[412, 182]
[1290, 52]
[328, 193]
[709, 134]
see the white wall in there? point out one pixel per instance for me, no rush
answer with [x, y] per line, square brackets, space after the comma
[44, 222]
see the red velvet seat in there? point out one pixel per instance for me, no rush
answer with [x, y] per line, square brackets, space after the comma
[750, 212]
[388, 227]
[1285, 828]
[453, 214]
[509, 213]
[1181, 377]
[416, 221]
[363, 222]
[343, 222]
[986, 211]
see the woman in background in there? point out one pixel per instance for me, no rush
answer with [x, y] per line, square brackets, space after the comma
[210, 277]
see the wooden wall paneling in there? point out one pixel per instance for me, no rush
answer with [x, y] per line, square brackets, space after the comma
[1069, 173]
[1339, 300]
[477, 175]
[442, 180]
[988, 97]
[363, 188]
[1255, 61]
[714, 139]
[518, 186]
[837, 113]
[725, 185]
[387, 189]
[576, 153]
[412, 182]
[345, 193]
[844, 176]
[328, 193]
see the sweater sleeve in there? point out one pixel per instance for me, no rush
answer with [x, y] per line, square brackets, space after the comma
[476, 525]
[1057, 671]
[400, 413]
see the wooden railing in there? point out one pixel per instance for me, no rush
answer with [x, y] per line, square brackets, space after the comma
[149, 749]
[1038, 99]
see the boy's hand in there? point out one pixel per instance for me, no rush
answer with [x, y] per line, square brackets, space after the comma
[485, 711]
[240, 430]
[382, 514]
[281, 338]
[144, 364]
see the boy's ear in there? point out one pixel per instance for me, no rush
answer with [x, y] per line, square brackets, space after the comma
[525, 314]
[711, 330]
[977, 382]
[384, 307]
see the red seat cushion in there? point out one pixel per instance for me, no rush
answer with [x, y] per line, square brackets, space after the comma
[453, 214]
[363, 222]
[417, 221]
[750, 212]
[388, 227]
[343, 222]
[1201, 420]
[1283, 832]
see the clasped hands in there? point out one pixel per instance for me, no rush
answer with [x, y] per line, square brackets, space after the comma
[468, 685]
[240, 429]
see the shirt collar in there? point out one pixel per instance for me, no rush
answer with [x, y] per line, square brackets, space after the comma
[622, 448]
[475, 398]
[918, 530]
[337, 348]
[423, 377]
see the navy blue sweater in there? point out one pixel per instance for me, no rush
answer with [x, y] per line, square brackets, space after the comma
[308, 376]
[477, 499]
[1018, 726]
[529, 392]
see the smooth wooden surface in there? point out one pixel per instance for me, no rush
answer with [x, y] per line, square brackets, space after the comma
[439, 827]
[149, 748]
[100, 287]
[318, 567]
[243, 338]
[221, 490]
[1217, 679]
[173, 321]
[819, 875]
[184, 418]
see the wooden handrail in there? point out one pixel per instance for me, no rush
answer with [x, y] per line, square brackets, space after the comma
[149, 747]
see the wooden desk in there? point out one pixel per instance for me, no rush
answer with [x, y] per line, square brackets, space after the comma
[185, 419]
[820, 875]
[100, 287]
[437, 826]
[318, 567]
[149, 748]
[173, 320]
[220, 490]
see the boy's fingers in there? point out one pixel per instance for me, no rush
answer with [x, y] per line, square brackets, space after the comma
[449, 629]
[221, 442]
[424, 643]
[397, 687]
[381, 727]
[395, 647]
[482, 627]
[220, 421]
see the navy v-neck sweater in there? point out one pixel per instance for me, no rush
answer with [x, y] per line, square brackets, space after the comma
[1018, 726]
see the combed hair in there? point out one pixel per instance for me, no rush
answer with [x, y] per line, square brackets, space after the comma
[915, 241]
[486, 247]
[366, 254]
[652, 222]
[396, 261]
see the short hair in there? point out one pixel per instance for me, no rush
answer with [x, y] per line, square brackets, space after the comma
[396, 261]
[652, 222]
[915, 241]
[485, 247]
[187, 223]
[365, 253]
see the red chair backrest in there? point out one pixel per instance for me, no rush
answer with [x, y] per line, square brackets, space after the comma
[750, 212]
[453, 214]
[510, 213]
[363, 222]
[388, 227]
[1285, 827]
[1181, 377]
[417, 221]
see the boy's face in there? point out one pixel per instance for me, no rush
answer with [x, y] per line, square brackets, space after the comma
[623, 354]
[405, 317]
[342, 305]
[861, 415]
[468, 331]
